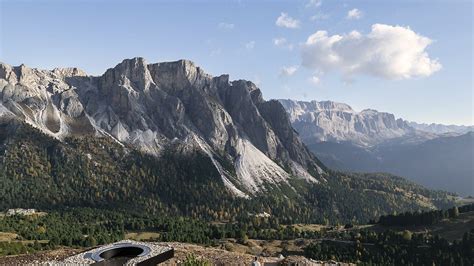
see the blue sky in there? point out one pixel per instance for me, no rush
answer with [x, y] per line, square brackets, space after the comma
[417, 64]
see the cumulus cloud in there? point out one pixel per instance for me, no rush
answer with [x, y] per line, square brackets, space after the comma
[288, 71]
[390, 52]
[354, 14]
[283, 42]
[226, 26]
[250, 45]
[286, 21]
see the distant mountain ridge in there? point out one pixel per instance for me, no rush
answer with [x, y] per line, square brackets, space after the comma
[332, 121]
[440, 128]
[437, 156]
[338, 122]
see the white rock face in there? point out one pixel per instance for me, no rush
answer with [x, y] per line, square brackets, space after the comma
[332, 121]
[43, 99]
[254, 169]
[154, 107]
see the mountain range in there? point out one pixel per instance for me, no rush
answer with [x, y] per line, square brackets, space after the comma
[154, 106]
[437, 156]
[168, 137]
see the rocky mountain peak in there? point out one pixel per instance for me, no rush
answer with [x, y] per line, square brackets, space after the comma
[7, 73]
[161, 106]
[132, 73]
[249, 85]
[68, 72]
[331, 106]
[25, 75]
[179, 74]
[222, 80]
[370, 112]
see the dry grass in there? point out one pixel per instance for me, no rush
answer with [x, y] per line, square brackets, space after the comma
[215, 256]
[142, 236]
[6, 236]
[12, 237]
[265, 247]
[36, 258]
[310, 227]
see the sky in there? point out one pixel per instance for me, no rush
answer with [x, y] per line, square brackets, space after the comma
[410, 58]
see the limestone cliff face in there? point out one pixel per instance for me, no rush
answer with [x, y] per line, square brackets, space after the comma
[153, 107]
[332, 121]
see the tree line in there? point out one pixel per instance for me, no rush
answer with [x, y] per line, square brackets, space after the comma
[423, 218]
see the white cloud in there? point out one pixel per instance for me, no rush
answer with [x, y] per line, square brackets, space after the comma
[390, 52]
[315, 80]
[226, 26]
[250, 45]
[314, 3]
[282, 42]
[354, 14]
[286, 21]
[288, 71]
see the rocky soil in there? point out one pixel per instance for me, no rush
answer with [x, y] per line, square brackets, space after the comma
[215, 256]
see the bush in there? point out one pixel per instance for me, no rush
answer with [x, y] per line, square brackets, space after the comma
[191, 260]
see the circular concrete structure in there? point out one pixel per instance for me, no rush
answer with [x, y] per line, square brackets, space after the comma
[125, 252]
[121, 250]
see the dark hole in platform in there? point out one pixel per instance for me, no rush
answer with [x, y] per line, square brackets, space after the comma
[119, 256]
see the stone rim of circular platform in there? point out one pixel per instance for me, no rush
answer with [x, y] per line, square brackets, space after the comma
[96, 256]
[157, 253]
